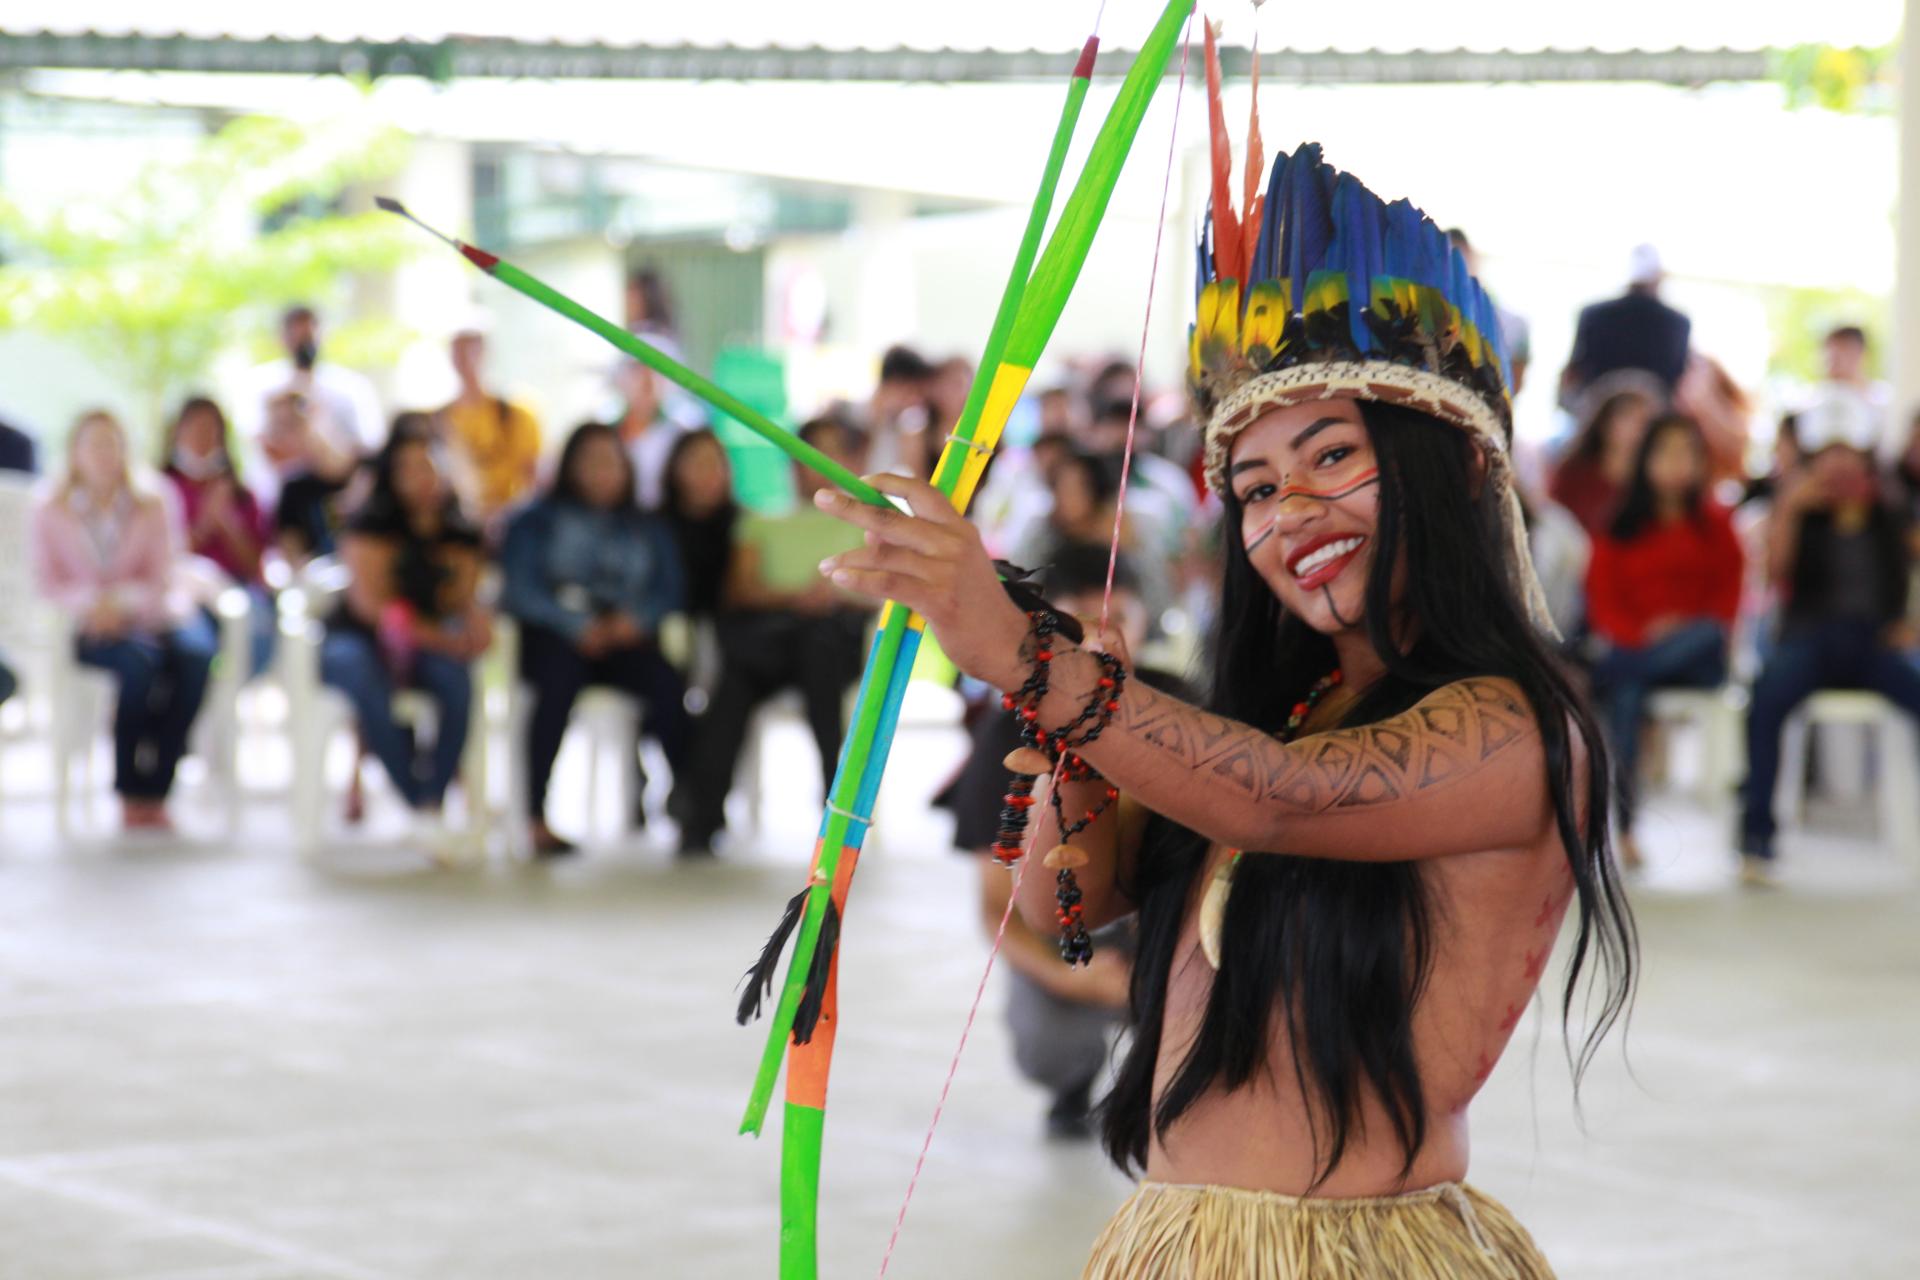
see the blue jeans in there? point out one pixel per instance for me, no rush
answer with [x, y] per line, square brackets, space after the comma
[1692, 656]
[263, 628]
[350, 661]
[1811, 655]
[163, 678]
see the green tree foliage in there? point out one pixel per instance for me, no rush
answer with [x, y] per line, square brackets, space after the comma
[1848, 80]
[1801, 319]
[155, 280]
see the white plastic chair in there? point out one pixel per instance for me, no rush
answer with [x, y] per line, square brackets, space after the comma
[609, 719]
[1898, 797]
[1719, 715]
[316, 713]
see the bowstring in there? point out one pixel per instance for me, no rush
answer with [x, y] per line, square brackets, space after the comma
[1113, 554]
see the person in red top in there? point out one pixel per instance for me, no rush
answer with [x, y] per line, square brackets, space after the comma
[1663, 587]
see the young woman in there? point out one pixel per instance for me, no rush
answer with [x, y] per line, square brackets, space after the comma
[590, 578]
[1379, 820]
[1663, 590]
[1589, 481]
[701, 510]
[224, 522]
[104, 551]
[409, 617]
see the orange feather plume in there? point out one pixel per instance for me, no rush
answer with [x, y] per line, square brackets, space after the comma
[1256, 165]
[1230, 256]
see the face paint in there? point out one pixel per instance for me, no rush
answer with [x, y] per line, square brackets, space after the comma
[1368, 477]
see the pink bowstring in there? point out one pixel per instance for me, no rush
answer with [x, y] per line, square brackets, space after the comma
[1113, 557]
[1146, 329]
[973, 1012]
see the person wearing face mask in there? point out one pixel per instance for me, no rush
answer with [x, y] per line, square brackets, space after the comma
[342, 409]
[224, 522]
[1349, 867]
[1837, 545]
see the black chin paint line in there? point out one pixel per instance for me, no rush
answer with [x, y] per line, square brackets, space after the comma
[1326, 591]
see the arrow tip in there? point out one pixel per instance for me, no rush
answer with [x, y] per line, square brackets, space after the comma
[390, 205]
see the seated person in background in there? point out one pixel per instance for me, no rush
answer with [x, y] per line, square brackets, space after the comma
[1062, 1019]
[1085, 489]
[17, 453]
[224, 523]
[783, 626]
[494, 443]
[1663, 590]
[1591, 477]
[701, 511]
[1837, 542]
[646, 431]
[590, 577]
[104, 552]
[409, 617]
[306, 513]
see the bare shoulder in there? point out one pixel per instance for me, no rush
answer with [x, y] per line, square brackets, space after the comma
[1469, 722]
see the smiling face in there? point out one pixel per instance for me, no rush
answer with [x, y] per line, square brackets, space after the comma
[1307, 482]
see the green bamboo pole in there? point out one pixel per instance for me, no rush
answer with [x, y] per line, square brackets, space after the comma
[863, 753]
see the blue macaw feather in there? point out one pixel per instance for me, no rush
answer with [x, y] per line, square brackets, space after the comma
[1267, 260]
[1311, 229]
[1356, 213]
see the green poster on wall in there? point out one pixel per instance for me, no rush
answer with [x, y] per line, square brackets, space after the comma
[762, 475]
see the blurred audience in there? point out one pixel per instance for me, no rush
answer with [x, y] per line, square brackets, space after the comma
[493, 444]
[342, 411]
[650, 316]
[306, 514]
[1663, 591]
[105, 554]
[1634, 331]
[1084, 491]
[646, 432]
[410, 617]
[590, 577]
[902, 415]
[783, 626]
[17, 453]
[1847, 376]
[1838, 543]
[702, 514]
[1593, 474]
[224, 523]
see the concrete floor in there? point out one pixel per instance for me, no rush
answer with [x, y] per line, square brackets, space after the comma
[219, 1063]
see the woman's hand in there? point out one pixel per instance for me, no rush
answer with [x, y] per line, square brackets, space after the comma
[933, 562]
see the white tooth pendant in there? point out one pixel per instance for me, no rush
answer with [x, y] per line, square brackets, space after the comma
[1213, 910]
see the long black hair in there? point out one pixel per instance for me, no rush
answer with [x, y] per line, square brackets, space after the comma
[1342, 950]
[566, 487]
[1639, 504]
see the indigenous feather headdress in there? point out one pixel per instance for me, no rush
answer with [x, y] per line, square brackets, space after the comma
[1320, 289]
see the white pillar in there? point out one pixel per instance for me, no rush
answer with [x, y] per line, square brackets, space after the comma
[1904, 351]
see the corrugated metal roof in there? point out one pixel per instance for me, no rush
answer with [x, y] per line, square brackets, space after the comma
[1395, 26]
[466, 57]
